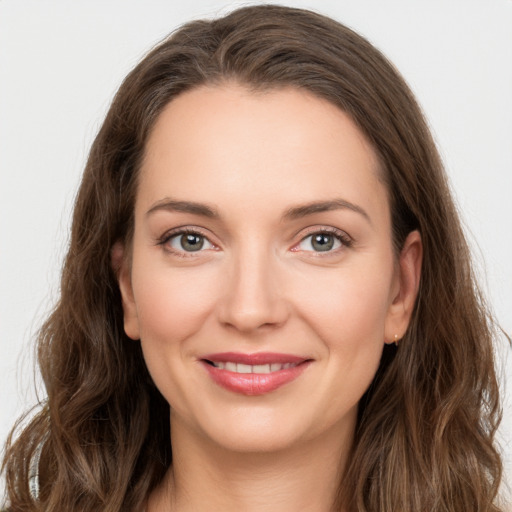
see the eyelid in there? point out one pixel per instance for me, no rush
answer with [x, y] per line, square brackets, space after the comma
[184, 230]
[342, 236]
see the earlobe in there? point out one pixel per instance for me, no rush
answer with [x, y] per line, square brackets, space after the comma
[122, 268]
[409, 273]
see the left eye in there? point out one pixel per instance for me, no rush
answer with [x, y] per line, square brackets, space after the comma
[189, 242]
[320, 242]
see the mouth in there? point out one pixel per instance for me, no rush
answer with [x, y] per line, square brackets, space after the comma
[254, 374]
[231, 366]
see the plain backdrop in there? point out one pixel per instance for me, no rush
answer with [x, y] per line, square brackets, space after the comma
[61, 62]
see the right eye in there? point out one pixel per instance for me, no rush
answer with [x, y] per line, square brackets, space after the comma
[188, 242]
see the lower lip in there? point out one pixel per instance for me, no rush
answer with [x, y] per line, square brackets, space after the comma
[254, 383]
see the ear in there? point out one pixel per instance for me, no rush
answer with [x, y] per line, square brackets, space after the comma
[121, 265]
[406, 288]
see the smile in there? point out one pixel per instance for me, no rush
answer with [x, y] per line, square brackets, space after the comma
[253, 374]
[257, 368]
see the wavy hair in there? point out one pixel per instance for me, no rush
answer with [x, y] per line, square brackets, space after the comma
[425, 432]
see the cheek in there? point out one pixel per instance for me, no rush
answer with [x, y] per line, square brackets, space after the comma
[172, 306]
[347, 314]
[348, 308]
[172, 303]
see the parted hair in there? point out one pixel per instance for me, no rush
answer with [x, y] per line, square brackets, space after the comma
[425, 432]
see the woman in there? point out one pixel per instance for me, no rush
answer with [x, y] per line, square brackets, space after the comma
[251, 314]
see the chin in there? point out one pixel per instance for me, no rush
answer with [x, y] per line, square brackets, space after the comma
[253, 440]
[253, 429]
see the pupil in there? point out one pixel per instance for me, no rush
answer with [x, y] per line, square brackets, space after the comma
[323, 242]
[192, 242]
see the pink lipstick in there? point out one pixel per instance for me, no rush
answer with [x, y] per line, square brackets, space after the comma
[253, 374]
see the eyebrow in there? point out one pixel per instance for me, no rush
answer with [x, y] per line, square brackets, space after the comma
[172, 205]
[324, 206]
[297, 212]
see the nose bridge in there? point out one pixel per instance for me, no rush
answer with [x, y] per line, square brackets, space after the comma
[252, 296]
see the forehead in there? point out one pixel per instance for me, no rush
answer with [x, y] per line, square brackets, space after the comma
[283, 145]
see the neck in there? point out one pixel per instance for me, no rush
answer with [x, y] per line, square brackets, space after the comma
[205, 476]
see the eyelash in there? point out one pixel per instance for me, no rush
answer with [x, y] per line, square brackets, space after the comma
[168, 236]
[339, 235]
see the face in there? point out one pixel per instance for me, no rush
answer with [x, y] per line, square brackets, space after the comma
[262, 282]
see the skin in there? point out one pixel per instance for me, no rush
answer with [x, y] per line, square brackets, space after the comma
[260, 285]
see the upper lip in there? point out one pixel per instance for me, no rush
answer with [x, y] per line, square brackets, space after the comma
[255, 358]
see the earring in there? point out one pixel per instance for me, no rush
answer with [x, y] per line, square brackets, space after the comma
[396, 340]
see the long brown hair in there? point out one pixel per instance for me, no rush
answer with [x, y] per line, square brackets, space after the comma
[426, 426]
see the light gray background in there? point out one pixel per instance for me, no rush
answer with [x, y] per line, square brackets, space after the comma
[61, 61]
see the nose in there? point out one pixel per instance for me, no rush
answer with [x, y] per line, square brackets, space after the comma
[253, 298]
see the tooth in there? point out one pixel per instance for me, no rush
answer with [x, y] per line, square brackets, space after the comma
[257, 368]
[261, 368]
[243, 368]
[231, 367]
